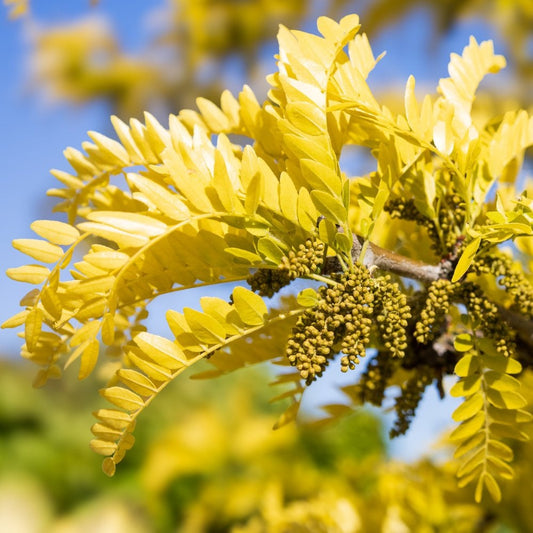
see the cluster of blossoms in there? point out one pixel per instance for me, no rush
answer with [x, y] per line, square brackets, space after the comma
[433, 313]
[514, 281]
[342, 321]
[308, 259]
[342, 315]
[407, 402]
[443, 231]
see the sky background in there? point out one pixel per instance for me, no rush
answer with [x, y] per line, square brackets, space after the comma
[33, 135]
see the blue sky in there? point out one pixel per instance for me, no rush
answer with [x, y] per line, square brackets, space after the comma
[33, 134]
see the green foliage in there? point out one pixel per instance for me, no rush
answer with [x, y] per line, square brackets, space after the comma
[197, 209]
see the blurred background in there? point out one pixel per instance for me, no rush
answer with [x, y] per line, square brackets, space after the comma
[206, 458]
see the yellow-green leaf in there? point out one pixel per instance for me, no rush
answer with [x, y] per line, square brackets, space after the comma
[466, 259]
[307, 298]
[468, 365]
[204, 327]
[251, 308]
[506, 399]
[463, 342]
[330, 207]
[466, 386]
[468, 428]
[468, 408]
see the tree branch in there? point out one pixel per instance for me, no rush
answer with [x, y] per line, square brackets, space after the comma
[375, 256]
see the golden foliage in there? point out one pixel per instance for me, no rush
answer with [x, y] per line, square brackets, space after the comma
[161, 210]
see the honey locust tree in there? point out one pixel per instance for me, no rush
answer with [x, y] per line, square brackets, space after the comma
[422, 265]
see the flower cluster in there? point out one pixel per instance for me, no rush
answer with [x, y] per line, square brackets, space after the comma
[433, 313]
[407, 402]
[444, 230]
[341, 315]
[514, 281]
[343, 319]
[308, 259]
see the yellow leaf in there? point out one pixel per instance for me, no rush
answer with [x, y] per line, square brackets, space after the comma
[307, 213]
[463, 342]
[130, 222]
[254, 193]
[103, 447]
[215, 119]
[469, 445]
[467, 257]
[32, 329]
[137, 382]
[106, 260]
[108, 329]
[87, 332]
[16, 320]
[250, 306]
[161, 350]
[320, 176]
[109, 467]
[122, 238]
[93, 286]
[204, 327]
[123, 398]
[113, 151]
[307, 298]
[501, 382]
[190, 183]
[307, 117]
[101, 431]
[153, 370]
[167, 202]
[118, 420]
[51, 302]
[288, 197]
[55, 232]
[34, 274]
[39, 250]
[221, 311]
[89, 357]
[288, 416]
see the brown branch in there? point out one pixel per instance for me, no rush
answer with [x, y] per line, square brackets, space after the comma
[389, 261]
